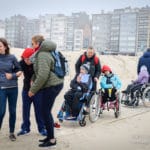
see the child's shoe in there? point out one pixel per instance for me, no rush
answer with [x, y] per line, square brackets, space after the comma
[60, 115]
[43, 132]
[57, 125]
[22, 132]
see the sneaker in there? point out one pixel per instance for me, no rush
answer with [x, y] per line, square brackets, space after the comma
[47, 144]
[43, 132]
[44, 140]
[57, 125]
[131, 103]
[12, 137]
[67, 114]
[71, 118]
[60, 115]
[22, 132]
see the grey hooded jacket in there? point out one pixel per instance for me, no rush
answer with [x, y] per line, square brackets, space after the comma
[43, 66]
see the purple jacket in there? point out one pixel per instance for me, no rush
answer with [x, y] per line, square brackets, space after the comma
[143, 76]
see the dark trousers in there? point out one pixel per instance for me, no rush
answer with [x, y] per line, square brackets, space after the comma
[72, 99]
[94, 87]
[48, 98]
[134, 88]
[109, 96]
[11, 94]
[26, 107]
[131, 88]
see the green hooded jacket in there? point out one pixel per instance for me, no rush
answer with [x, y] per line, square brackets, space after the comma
[43, 66]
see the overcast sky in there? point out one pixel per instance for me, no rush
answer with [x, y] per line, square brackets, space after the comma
[33, 8]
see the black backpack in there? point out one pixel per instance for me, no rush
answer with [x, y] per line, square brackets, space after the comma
[61, 64]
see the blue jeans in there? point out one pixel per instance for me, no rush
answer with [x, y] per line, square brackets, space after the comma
[26, 107]
[11, 94]
[48, 98]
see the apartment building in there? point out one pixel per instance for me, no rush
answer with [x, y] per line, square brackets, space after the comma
[143, 28]
[15, 30]
[2, 28]
[58, 30]
[101, 25]
[78, 39]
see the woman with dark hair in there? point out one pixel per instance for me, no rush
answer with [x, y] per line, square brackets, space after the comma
[10, 70]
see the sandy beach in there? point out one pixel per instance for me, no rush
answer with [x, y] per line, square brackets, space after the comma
[130, 131]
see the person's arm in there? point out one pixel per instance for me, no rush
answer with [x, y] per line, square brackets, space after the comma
[42, 74]
[97, 69]
[17, 71]
[78, 64]
[117, 84]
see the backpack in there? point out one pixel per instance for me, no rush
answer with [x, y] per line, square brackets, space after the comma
[96, 60]
[60, 65]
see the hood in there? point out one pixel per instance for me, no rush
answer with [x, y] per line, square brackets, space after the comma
[48, 45]
[146, 54]
[143, 68]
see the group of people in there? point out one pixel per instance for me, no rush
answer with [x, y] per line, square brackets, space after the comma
[41, 85]
[143, 71]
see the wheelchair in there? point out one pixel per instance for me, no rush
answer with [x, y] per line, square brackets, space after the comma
[139, 95]
[116, 102]
[93, 106]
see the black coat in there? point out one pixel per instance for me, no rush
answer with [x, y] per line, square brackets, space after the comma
[27, 72]
[95, 69]
[144, 60]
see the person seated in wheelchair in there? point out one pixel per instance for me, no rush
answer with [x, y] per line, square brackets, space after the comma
[143, 78]
[110, 84]
[81, 86]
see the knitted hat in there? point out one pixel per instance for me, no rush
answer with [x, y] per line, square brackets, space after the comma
[85, 67]
[27, 53]
[106, 68]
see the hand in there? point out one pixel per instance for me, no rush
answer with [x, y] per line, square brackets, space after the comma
[132, 81]
[18, 74]
[31, 82]
[8, 76]
[30, 94]
[78, 78]
[96, 79]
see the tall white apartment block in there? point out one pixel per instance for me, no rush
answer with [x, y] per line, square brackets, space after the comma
[144, 28]
[58, 31]
[78, 39]
[2, 28]
[101, 31]
[45, 25]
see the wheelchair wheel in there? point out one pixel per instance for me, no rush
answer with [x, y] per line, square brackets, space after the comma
[94, 108]
[146, 97]
[125, 98]
[82, 123]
